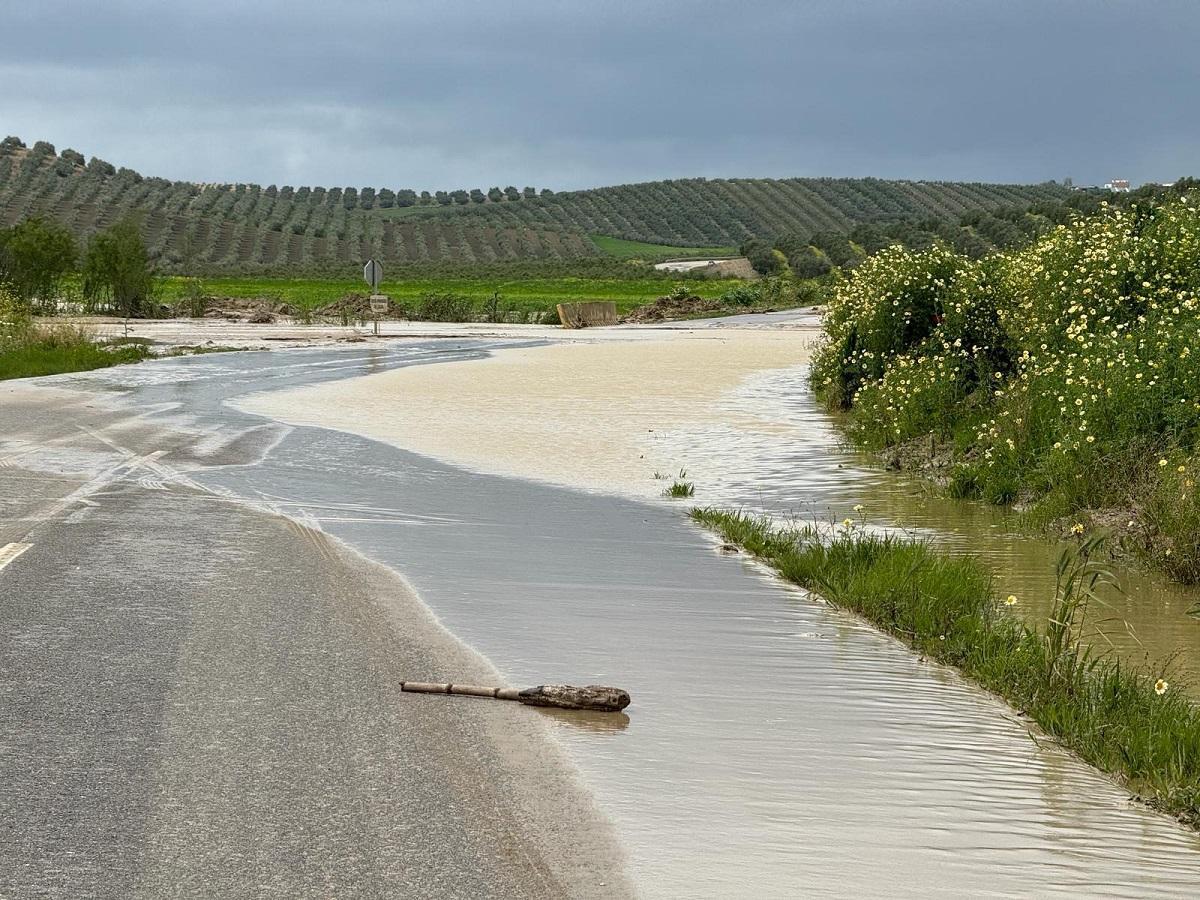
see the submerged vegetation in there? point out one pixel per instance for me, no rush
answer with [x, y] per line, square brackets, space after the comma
[1130, 723]
[680, 488]
[1060, 376]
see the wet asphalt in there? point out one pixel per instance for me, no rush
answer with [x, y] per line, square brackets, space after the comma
[200, 698]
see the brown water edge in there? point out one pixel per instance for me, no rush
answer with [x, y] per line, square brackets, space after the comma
[822, 477]
[1146, 621]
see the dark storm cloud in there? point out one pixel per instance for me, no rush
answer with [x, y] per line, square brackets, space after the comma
[574, 94]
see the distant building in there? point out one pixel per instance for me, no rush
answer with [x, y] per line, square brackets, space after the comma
[1120, 185]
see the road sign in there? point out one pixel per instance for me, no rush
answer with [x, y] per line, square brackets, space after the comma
[373, 273]
[379, 304]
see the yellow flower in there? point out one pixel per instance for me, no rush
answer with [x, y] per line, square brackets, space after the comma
[847, 523]
[1160, 686]
[1162, 462]
[858, 507]
[1182, 469]
[1010, 600]
[1077, 528]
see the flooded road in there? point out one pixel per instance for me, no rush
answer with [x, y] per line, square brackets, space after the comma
[775, 748]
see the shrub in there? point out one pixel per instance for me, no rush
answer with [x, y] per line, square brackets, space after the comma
[443, 306]
[1056, 370]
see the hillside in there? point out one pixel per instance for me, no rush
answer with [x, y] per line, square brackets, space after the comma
[246, 228]
[728, 211]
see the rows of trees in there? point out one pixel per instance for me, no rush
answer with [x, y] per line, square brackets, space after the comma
[974, 234]
[714, 212]
[247, 228]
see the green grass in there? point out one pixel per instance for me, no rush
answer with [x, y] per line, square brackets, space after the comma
[526, 294]
[624, 249]
[680, 488]
[55, 353]
[1110, 714]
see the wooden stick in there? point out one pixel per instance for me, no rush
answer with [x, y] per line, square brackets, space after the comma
[563, 696]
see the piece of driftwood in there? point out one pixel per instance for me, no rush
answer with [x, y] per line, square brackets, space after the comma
[593, 697]
[566, 696]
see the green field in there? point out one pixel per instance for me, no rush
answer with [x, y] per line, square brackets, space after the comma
[623, 249]
[531, 294]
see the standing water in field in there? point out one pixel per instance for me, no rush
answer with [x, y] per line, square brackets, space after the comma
[774, 747]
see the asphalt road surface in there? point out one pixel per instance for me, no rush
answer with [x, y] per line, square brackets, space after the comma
[201, 699]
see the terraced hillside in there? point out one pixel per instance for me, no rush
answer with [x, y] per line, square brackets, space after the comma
[249, 229]
[728, 211]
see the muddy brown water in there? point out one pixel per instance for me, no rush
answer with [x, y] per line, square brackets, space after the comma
[800, 469]
[775, 747]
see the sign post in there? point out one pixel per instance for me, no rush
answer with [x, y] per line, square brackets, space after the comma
[373, 275]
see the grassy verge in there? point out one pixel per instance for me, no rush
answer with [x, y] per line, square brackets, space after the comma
[1128, 723]
[51, 351]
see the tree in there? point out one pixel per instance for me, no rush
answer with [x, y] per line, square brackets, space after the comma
[808, 263]
[765, 259]
[477, 196]
[35, 256]
[408, 197]
[529, 193]
[99, 167]
[495, 194]
[116, 270]
[386, 198]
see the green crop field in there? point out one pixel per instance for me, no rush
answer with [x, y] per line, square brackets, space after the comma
[528, 294]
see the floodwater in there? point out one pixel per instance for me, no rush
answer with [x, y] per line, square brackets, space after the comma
[775, 747]
[799, 468]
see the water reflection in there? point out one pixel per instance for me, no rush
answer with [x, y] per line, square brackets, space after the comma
[586, 721]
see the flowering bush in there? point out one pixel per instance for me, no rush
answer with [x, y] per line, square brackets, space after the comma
[1065, 369]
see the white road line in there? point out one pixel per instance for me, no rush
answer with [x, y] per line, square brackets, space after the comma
[9, 552]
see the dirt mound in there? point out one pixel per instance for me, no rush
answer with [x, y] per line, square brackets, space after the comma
[674, 307]
[257, 310]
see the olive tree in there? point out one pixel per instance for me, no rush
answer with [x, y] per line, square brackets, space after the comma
[116, 270]
[35, 256]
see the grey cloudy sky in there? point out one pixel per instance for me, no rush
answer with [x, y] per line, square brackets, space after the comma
[575, 94]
